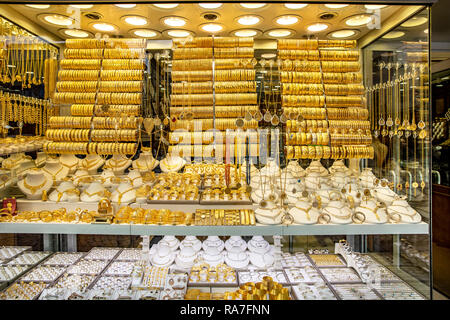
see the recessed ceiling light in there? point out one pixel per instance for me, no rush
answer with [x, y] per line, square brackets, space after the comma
[126, 5]
[212, 27]
[38, 6]
[76, 33]
[295, 6]
[102, 26]
[335, 6]
[342, 33]
[268, 55]
[178, 33]
[58, 19]
[375, 6]
[279, 33]
[248, 20]
[166, 5]
[145, 33]
[81, 6]
[414, 22]
[426, 30]
[208, 5]
[287, 20]
[317, 27]
[253, 5]
[393, 35]
[135, 20]
[174, 21]
[358, 20]
[245, 33]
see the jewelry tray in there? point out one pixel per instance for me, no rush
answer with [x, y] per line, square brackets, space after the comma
[174, 201]
[226, 202]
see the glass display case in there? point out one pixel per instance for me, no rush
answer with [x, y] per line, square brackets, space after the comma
[245, 151]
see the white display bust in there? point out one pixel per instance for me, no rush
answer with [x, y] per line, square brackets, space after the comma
[261, 260]
[172, 163]
[339, 212]
[401, 207]
[92, 163]
[118, 163]
[125, 193]
[213, 242]
[55, 169]
[236, 259]
[35, 183]
[163, 256]
[107, 178]
[135, 178]
[270, 215]
[213, 256]
[145, 162]
[367, 178]
[171, 241]
[186, 257]
[94, 193]
[258, 245]
[41, 157]
[295, 169]
[14, 160]
[384, 195]
[191, 241]
[304, 212]
[235, 244]
[70, 161]
[82, 178]
[373, 213]
[65, 192]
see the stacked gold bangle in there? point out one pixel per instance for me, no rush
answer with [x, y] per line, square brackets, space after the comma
[307, 125]
[325, 152]
[211, 150]
[207, 124]
[307, 138]
[317, 89]
[208, 137]
[316, 77]
[219, 42]
[313, 44]
[314, 55]
[221, 111]
[319, 101]
[316, 66]
[96, 122]
[104, 43]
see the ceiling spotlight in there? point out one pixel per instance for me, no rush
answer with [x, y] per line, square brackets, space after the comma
[287, 20]
[375, 6]
[245, 33]
[76, 33]
[253, 5]
[208, 5]
[358, 20]
[81, 6]
[414, 22]
[279, 33]
[178, 33]
[343, 33]
[174, 21]
[295, 6]
[126, 5]
[58, 19]
[335, 6]
[212, 27]
[38, 6]
[248, 20]
[268, 55]
[317, 27]
[145, 33]
[425, 31]
[393, 35]
[135, 20]
[166, 5]
[101, 26]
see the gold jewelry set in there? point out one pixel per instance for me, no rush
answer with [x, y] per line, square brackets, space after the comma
[129, 215]
[55, 216]
[224, 217]
[265, 290]
[323, 260]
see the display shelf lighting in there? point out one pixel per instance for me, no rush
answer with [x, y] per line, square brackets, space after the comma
[207, 5]
[179, 33]
[81, 6]
[343, 33]
[375, 6]
[393, 35]
[166, 5]
[279, 33]
[287, 20]
[358, 20]
[414, 22]
[253, 5]
[145, 33]
[245, 33]
[269, 55]
[57, 19]
[295, 6]
[248, 20]
[102, 26]
[336, 6]
[76, 33]
[174, 21]
[38, 6]
[425, 31]
[212, 27]
[317, 27]
[135, 20]
[126, 5]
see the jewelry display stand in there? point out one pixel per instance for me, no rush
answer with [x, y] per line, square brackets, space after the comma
[172, 164]
[55, 169]
[125, 193]
[70, 161]
[35, 183]
[94, 193]
[118, 164]
[92, 163]
[65, 192]
[145, 162]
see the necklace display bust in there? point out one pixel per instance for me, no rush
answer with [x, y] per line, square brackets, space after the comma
[118, 163]
[236, 259]
[82, 178]
[338, 211]
[235, 244]
[295, 169]
[213, 242]
[191, 241]
[135, 178]
[94, 193]
[70, 161]
[92, 163]
[303, 212]
[261, 260]
[258, 245]
[367, 178]
[145, 162]
[65, 192]
[186, 258]
[55, 169]
[271, 169]
[162, 256]
[384, 195]
[35, 183]
[172, 163]
[372, 211]
[125, 193]
[401, 207]
[212, 256]
[15, 160]
[271, 214]
[170, 241]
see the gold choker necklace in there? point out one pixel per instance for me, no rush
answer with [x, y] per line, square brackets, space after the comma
[33, 189]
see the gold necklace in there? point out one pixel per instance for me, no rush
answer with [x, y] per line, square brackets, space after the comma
[306, 211]
[69, 166]
[337, 216]
[117, 165]
[72, 190]
[146, 163]
[33, 189]
[90, 163]
[98, 193]
[168, 166]
[121, 195]
[375, 211]
[53, 175]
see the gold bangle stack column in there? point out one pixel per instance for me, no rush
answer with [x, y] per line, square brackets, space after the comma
[322, 95]
[233, 91]
[103, 80]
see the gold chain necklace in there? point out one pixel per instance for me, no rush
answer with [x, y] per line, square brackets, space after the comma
[53, 175]
[121, 195]
[306, 211]
[33, 189]
[375, 211]
[98, 193]
[337, 216]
